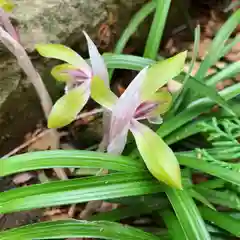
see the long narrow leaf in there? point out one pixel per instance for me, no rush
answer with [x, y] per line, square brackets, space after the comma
[68, 159]
[157, 28]
[125, 61]
[195, 109]
[180, 96]
[187, 214]
[135, 210]
[224, 198]
[221, 220]
[174, 228]
[136, 20]
[78, 190]
[228, 72]
[215, 51]
[210, 168]
[76, 229]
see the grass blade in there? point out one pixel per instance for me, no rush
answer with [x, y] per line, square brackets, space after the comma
[187, 214]
[125, 61]
[157, 28]
[180, 96]
[228, 72]
[221, 220]
[218, 44]
[68, 159]
[136, 20]
[78, 190]
[76, 229]
[194, 110]
[174, 228]
[135, 210]
[224, 198]
[200, 197]
[210, 168]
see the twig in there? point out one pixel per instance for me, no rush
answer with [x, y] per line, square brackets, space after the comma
[27, 143]
[25, 63]
[90, 113]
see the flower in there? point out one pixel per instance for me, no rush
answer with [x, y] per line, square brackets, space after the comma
[77, 74]
[142, 100]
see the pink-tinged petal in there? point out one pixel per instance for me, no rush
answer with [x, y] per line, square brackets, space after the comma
[126, 105]
[7, 25]
[102, 94]
[144, 109]
[98, 65]
[158, 157]
[117, 144]
[163, 101]
[160, 73]
[65, 110]
[64, 53]
[66, 72]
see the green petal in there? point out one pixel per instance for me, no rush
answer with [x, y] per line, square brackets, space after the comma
[158, 157]
[8, 6]
[65, 110]
[59, 74]
[164, 99]
[160, 73]
[63, 53]
[102, 93]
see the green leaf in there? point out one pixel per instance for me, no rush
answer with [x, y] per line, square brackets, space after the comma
[207, 91]
[102, 93]
[210, 168]
[134, 210]
[218, 44]
[7, 5]
[224, 198]
[187, 214]
[183, 92]
[60, 73]
[158, 157]
[63, 53]
[230, 71]
[135, 21]
[201, 198]
[78, 190]
[174, 228]
[132, 26]
[69, 159]
[66, 108]
[157, 28]
[195, 109]
[76, 229]
[125, 61]
[160, 73]
[222, 220]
